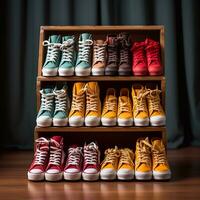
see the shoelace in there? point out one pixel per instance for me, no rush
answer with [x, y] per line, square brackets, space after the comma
[47, 101]
[78, 100]
[110, 104]
[112, 54]
[55, 154]
[84, 50]
[154, 100]
[91, 154]
[99, 52]
[124, 107]
[139, 55]
[67, 48]
[125, 157]
[60, 100]
[140, 101]
[74, 155]
[111, 155]
[144, 152]
[124, 55]
[153, 53]
[92, 102]
[52, 51]
[159, 156]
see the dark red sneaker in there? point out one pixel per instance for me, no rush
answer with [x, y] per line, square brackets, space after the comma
[73, 167]
[38, 166]
[153, 57]
[54, 170]
[91, 165]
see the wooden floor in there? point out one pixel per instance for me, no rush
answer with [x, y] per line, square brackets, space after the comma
[185, 184]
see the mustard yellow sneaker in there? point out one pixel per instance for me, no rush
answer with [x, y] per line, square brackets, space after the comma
[93, 104]
[143, 164]
[156, 112]
[109, 114]
[161, 169]
[126, 165]
[77, 112]
[124, 115]
[140, 111]
[110, 164]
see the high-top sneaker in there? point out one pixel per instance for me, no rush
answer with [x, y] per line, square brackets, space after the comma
[112, 55]
[37, 168]
[139, 59]
[45, 114]
[99, 57]
[73, 167]
[62, 106]
[125, 54]
[93, 105]
[68, 59]
[50, 67]
[83, 63]
[54, 170]
[91, 164]
[153, 57]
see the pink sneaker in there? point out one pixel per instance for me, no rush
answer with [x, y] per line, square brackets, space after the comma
[54, 170]
[153, 57]
[40, 160]
[73, 165]
[91, 165]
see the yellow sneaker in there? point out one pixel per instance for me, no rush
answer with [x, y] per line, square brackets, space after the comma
[161, 169]
[126, 165]
[156, 112]
[110, 164]
[125, 116]
[77, 112]
[109, 114]
[143, 164]
[140, 111]
[93, 104]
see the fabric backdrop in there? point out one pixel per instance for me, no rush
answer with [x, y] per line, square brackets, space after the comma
[20, 24]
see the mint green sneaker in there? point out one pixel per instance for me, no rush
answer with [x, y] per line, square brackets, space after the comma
[83, 63]
[45, 114]
[68, 59]
[50, 67]
[62, 106]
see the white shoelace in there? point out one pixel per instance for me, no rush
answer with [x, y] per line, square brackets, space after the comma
[55, 155]
[60, 100]
[99, 52]
[91, 154]
[84, 50]
[67, 48]
[46, 101]
[74, 155]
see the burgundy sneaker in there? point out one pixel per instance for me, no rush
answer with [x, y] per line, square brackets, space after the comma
[139, 59]
[91, 165]
[73, 167]
[40, 160]
[54, 170]
[153, 57]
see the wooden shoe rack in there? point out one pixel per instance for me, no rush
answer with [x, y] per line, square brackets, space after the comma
[105, 136]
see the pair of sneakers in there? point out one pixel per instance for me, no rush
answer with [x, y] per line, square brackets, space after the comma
[55, 105]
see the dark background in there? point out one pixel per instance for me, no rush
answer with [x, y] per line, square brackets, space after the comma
[20, 23]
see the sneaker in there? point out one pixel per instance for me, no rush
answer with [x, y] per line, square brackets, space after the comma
[54, 170]
[156, 112]
[109, 114]
[62, 106]
[124, 115]
[68, 59]
[139, 59]
[99, 58]
[153, 57]
[125, 54]
[83, 63]
[126, 166]
[45, 114]
[161, 169]
[50, 67]
[110, 164]
[140, 111]
[143, 165]
[93, 104]
[73, 165]
[112, 55]
[91, 164]
[77, 112]
[37, 168]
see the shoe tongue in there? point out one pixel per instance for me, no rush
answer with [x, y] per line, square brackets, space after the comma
[124, 99]
[112, 40]
[79, 88]
[85, 36]
[54, 39]
[65, 38]
[73, 146]
[47, 90]
[157, 144]
[57, 139]
[99, 42]
[92, 87]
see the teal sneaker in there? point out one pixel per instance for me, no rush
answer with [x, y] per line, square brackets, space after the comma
[83, 63]
[62, 106]
[45, 114]
[68, 59]
[50, 67]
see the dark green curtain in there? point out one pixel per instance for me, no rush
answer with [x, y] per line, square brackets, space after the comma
[20, 23]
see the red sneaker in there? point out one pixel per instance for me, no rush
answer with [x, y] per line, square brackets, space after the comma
[139, 59]
[73, 165]
[54, 170]
[40, 160]
[91, 164]
[153, 57]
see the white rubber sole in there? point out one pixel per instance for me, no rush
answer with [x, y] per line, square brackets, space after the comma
[82, 72]
[161, 123]
[97, 72]
[66, 72]
[141, 122]
[125, 122]
[125, 176]
[49, 72]
[72, 176]
[143, 175]
[162, 175]
[44, 123]
[108, 122]
[60, 122]
[91, 121]
[158, 120]
[90, 177]
[53, 176]
[108, 176]
[35, 176]
[76, 123]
